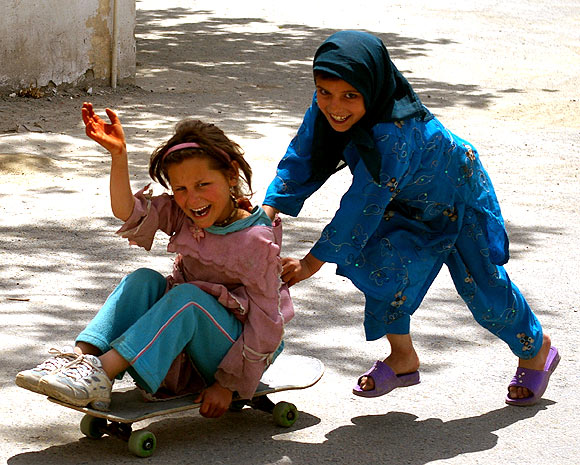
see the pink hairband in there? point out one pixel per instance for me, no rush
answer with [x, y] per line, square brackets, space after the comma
[192, 145]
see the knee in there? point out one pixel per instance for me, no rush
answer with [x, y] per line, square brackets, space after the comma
[187, 291]
[143, 276]
[185, 294]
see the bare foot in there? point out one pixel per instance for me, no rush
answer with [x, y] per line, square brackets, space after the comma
[536, 363]
[403, 359]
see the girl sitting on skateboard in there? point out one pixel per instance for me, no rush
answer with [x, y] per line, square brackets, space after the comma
[223, 308]
[419, 198]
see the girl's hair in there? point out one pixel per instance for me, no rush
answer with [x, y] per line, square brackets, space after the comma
[214, 145]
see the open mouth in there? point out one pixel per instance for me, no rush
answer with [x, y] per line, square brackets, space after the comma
[338, 119]
[200, 212]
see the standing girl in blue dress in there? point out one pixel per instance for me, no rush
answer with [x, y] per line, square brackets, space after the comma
[419, 198]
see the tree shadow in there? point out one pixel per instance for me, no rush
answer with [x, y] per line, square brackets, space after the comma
[269, 73]
[394, 437]
[68, 271]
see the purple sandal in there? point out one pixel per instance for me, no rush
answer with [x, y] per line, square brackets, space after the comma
[385, 380]
[535, 381]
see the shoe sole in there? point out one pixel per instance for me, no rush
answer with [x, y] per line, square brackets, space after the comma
[93, 402]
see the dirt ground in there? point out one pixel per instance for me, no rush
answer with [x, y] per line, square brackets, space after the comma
[503, 75]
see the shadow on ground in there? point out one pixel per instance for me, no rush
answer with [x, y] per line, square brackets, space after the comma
[101, 258]
[410, 440]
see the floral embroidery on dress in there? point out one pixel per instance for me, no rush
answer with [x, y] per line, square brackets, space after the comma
[526, 341]
[197, 232]
[379, 277]
[148, 193]
[358, 260]
[392, 316]
[372, 209]
[388, 215]
[469, 153]
[393, 185]
[451, 213]
[327, 234]
[359, 237]
[399, 299]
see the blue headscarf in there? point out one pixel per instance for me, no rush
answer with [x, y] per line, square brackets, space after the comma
[363, 61]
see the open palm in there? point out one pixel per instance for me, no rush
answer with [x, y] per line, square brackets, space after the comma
[110, 136]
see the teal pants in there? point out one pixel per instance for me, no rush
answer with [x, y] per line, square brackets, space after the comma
[150, 328]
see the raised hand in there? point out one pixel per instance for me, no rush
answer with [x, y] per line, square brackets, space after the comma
[110, 136]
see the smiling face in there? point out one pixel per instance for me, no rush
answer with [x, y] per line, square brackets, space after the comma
[342, 105]
[201, 191]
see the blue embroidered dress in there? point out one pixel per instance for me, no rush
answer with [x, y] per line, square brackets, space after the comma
[434, 204]
[419, 198]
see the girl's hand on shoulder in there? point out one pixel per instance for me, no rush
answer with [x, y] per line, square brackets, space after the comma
[110, 136]
[270, 211]
[215, 400]
[294, 270]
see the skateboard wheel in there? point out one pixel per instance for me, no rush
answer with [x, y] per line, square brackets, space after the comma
[92, 427]
[285, 414]
[142, 443]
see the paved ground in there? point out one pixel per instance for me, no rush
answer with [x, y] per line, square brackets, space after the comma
[502, 75]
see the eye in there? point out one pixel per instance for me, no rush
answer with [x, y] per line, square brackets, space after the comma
[351, 95]
[322, 91]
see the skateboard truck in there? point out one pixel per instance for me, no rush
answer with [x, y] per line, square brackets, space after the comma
[142, 443]
[284, 413]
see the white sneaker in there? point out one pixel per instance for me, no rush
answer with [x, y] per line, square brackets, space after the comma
[81, 383]
[29, 379]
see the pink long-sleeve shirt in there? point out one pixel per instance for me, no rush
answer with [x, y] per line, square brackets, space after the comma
[238, 264]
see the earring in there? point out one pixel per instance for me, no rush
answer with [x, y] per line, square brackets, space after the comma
[233, 197]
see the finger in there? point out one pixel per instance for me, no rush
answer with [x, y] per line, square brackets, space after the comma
[289, 267]
[85, 115]
[88, 109]
[204, 409]
[112, 116]
[286, 276]
[211, 412]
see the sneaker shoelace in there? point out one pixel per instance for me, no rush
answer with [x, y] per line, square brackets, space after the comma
[81, 367]
[59, 360]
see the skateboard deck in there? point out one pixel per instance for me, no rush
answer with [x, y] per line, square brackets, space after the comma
[128, 406]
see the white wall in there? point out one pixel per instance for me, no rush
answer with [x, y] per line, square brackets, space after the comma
[45, 42]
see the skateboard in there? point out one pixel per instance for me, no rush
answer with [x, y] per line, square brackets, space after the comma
[128, 406]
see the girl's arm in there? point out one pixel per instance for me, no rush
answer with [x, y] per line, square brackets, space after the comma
[112, 138]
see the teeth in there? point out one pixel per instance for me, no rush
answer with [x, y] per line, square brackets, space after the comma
[339, 118]
[200, 211]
